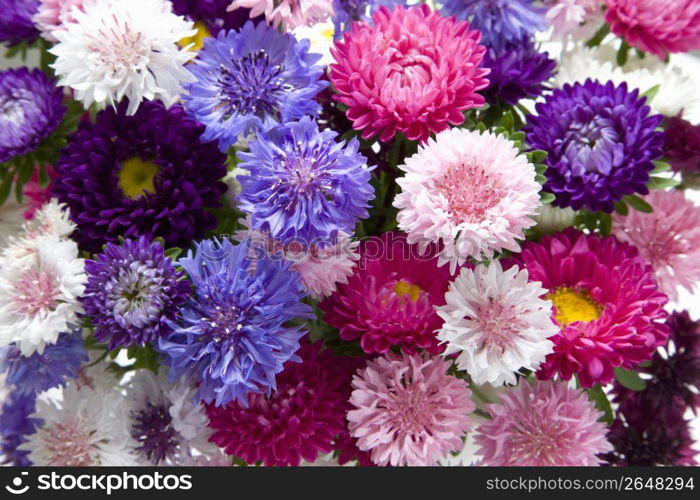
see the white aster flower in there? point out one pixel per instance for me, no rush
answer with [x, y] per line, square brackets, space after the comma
[86, 427]
[320, 35]
[497, 322]
[676, 90]
[117, 48]
[165, 425]
[39, 294]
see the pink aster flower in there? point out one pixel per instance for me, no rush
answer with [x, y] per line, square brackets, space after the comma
[668, 238]
[289, 13]
[606, 303]
[542, 424]
[53, 14]
[38, 195]
[408, 411]
[655, 26]
[472, 192]
[412, 71]
[390, 300]
[303, 418]
[575, 18]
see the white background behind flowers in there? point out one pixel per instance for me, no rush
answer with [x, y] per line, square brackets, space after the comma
[691, 64]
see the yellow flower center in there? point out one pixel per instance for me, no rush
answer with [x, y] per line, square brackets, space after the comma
[198, 38]
[406, 289]
[573, 306]
[136, 177]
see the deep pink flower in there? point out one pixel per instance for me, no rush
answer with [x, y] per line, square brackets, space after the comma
[412, 71]
[542, 424]
[606, 301]
[390, 299]
[301, 420]
[37, 194]
[668, 238]
[656, 26]
[408, 410]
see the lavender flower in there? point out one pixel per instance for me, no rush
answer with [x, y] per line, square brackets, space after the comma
[16, 25]
[250, 80]
[15, 425]
[601, 143]
[304, 184]
[233, 335]
[132, 291]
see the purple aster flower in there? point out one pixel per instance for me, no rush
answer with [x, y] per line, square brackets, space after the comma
[152, 429]
[304, 184]
[133, 290]
[682, 148]
[517, 73]
[40, 372]
[30, 110]
[233, 334]
[347, 11]
[502, 23]
[16, 25]
[212, 13]
[252, 79]
[15, 425]
[143, 175]
[601, 143]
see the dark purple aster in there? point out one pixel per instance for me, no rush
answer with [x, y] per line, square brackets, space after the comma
[517, 73]
[304, 184]
[212, 13]
[601, 143]
[152, 429]
[234, 334]
[30, 110]
[40, 372]
[148, 174]
[16, 25]
[15, 425]
[682, 149]
[132, 291]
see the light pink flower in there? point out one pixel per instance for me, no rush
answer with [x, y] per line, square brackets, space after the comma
[289, 13]
[473, 192]
[408, 411]
[568, 17]
[410, 70]
[53, 14]
[656, 26]
[668, 238]
[542, 424]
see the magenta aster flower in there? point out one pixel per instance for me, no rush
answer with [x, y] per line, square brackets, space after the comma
[390, 300]
[542, 424]
[668, 238]
[607, 304]
[682, 148]
[412, 71]
[656, 27]
[408, 411]
[301, 419]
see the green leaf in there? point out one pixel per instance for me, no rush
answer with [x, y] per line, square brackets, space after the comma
[630, 379]
[5, 186]
[661, 166]
[622, 53]
[602, 403]
[538, 156]
[662, 182]
[621, 208]
[638, 204]
[598, 37]
[546, 198]
[507, 121]
[173, 253]
[651, 93]
[605, 224]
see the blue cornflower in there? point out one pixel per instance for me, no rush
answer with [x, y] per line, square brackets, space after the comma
[40, 372]
[502, 23]
[232, 334]
[133, 289]
[601, 142]
[303, 184]
[252, 79]
[15, 425]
